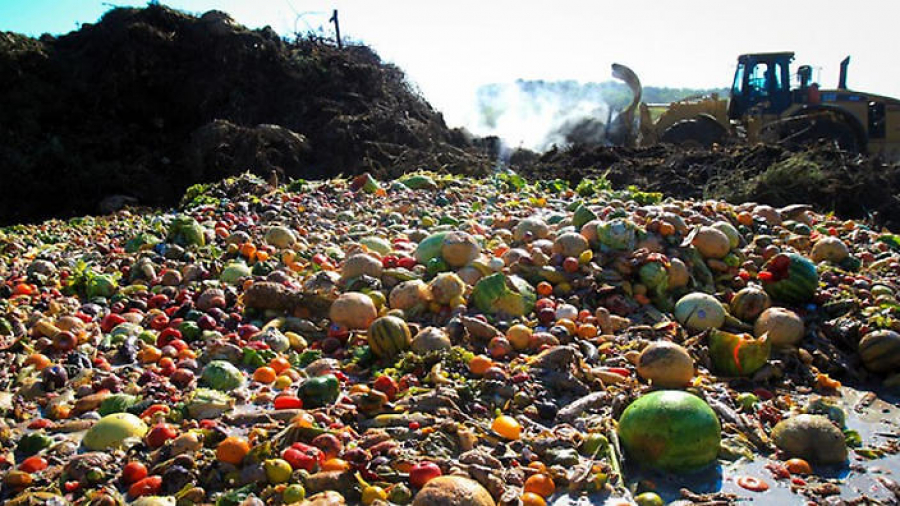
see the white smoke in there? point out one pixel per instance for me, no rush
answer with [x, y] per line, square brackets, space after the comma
[534, 114]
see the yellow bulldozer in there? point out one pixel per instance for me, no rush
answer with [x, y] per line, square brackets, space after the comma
[763, 106]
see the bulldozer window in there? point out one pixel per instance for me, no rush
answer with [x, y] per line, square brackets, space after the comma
[758, 82]
[877, 123]
[736, 89]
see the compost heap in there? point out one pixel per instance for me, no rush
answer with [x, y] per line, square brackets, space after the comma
[147, 102]
[354, 339]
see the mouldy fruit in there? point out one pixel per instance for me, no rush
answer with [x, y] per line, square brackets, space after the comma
[810, 437]
[666, 365]
[880, 351]
[388, 336]
[737, 354]
[783, 326]
[749, 302]
[353, 310]
[453, 491]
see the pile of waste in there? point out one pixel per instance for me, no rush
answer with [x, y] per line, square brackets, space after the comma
[437, 340]
[148, 101]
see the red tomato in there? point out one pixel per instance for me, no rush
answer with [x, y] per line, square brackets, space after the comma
[160, 433]
[288, 402]
[33, 464]
[387, 386]
[147, 486]
[134, 472]
[423, 472]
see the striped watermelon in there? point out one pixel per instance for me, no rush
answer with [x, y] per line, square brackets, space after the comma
[388, 336]
[880, 351]
[790, 278]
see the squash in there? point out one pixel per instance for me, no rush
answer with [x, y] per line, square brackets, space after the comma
[699, 311]
[570, 244]
[829, 249]
[749, 302]
[711, 242]
[783, 326]
[670, 430]
[790, 278]
[388, 336]
[353, 310]
[880, 351]
[430, 247]
[666, 364]
[459, 248]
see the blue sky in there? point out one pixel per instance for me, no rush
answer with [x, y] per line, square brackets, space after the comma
[450, 48]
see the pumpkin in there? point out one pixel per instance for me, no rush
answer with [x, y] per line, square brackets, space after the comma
[388, 336]
[111, 430]
[670, 430]
[810, 437]
[453, 491]
[531, 228]
[711, 242]
[430, 339]
[570, 244]
[409, 295]
[829, 249]
[361, 264]
[666, 364]
[699, 311]
[499, 293]
[459, 248]
[880, 351]
[737, 354]
[280, 237]
[353, 310]
[790, 278]
[446, 286]
[783, 326]
[749, 302]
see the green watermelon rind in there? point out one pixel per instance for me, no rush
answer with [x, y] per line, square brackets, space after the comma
[651, 427]
[800, 285]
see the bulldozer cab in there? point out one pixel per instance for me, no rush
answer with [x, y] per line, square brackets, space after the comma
[761, 83]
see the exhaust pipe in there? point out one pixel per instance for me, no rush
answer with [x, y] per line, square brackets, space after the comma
[842, 80]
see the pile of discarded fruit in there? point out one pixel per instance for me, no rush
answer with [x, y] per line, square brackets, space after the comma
[444, 341]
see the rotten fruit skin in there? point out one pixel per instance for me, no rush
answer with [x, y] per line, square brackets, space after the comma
[738, 354]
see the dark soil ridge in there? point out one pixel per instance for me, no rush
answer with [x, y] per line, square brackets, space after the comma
[149, 101]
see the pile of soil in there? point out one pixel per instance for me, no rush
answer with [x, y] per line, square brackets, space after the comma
[149, 101]
[852, 186]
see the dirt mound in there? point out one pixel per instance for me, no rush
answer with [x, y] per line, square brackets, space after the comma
[148, 101]
[831, 180]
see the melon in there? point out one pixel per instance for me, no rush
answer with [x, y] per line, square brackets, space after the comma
[880, 351]
[829, 249]
[446, 286]
[531, 228]
[734, 237]
[783, 326]
[711, 242]
[280, 237]
[570, 244]
[810, 437]
[790, 278]
[430, 247]
[459, 248]
[737, 354]
[666, 364]
[353, 310]
[670, 430]
[749, 302]
[388, 336]
[453, 491]
[699, 311]
[499, 293]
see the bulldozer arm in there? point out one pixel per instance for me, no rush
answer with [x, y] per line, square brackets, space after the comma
[623, 129]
